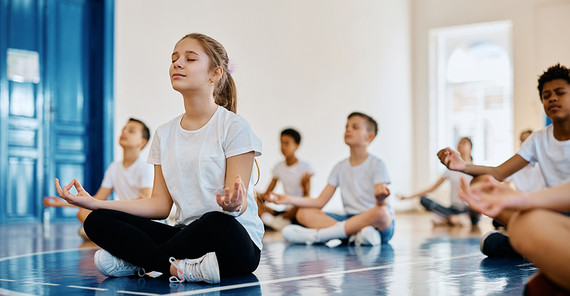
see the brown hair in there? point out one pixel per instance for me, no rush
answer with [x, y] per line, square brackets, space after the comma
[225, 93]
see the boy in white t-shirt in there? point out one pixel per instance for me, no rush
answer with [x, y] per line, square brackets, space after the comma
[130, 178]
[549, 147]
[295, 176]
[363, 180]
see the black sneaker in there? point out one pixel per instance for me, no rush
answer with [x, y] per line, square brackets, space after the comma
[496, 244]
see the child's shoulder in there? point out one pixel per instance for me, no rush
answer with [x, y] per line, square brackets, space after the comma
[375, 159]
[169, 124]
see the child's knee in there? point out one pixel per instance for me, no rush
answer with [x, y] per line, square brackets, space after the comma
[382, 217]
[303, 215]
[524, 229]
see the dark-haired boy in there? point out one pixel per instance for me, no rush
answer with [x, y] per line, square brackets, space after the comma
[549, 147]
[130, 177]
[363, 180]
[295, 177]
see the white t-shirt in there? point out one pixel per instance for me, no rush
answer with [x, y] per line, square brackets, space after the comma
[128, 182]
[357, 183]
[194, 165]
[290, 176]
[552, 155]
[528, 179]
[454, 179]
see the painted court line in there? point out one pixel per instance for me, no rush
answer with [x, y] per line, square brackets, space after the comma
[12, 293]
[86, 288]
[245, 285]
[44, 253]
[45, 284]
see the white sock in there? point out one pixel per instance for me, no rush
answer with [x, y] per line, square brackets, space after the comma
[335, 231]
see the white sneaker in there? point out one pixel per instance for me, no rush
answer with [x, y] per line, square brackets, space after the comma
[299, 234]
[366, 236]
[203, 269]
[111, 266]
[275, 222]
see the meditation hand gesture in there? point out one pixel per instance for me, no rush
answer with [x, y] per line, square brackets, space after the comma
[381, 191]
[490, 197]
[451, 159]
[278, 198]
[82, 199]
[233, 202]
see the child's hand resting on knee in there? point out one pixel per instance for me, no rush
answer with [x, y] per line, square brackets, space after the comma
[232, 202]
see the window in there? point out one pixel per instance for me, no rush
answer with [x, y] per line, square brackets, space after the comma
[471, 90]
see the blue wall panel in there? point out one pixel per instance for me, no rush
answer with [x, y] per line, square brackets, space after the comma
[58, 127]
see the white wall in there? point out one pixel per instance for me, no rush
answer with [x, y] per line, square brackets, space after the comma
[299, 63]
[539, 40]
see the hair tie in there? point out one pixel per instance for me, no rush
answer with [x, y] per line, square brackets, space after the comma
[231, 66]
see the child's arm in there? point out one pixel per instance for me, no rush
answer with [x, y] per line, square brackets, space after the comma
[318, 202]
[306, 184]
[453, 161]
[238, 172]
[270, 188]
[492, 197]
[426, 191]
[156, 207]
[146, 192]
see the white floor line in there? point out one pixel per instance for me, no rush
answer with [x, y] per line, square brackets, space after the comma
[12, 293]
[86, 288]
[138, 293]
[45, 284]
[237, 286]
[43, 253]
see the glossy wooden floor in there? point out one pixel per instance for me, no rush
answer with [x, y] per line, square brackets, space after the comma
[51, 259]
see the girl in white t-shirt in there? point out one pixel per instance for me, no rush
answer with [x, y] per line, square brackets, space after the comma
[457, 213]
[203, 163]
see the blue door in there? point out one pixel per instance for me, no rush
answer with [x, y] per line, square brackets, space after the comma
[55, 125]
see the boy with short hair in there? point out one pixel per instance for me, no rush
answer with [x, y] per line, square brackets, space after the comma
[363, 180]
[549, 147]
[295, 176]
[130, 177]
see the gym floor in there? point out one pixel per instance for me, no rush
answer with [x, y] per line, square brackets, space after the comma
[52, 259]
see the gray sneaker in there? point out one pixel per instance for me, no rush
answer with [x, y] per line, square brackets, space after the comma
[299, 234]
[111, 266]
[366, 236]
[203, 269]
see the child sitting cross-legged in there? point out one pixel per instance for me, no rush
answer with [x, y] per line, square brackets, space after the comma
[363, 180]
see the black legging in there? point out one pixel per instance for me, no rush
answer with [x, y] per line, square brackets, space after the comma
[149, 244]
[433, 206]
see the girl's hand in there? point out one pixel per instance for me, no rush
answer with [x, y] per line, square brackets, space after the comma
[451, 159]
[82, 199]
[233, 202]
[491, 197]
[278, 198]
[53, 201]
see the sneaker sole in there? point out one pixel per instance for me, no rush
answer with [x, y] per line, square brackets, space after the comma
[98, 257]
[370, 233]
[214, 271]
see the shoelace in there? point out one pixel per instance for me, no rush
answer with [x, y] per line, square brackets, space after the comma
[184, 265]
